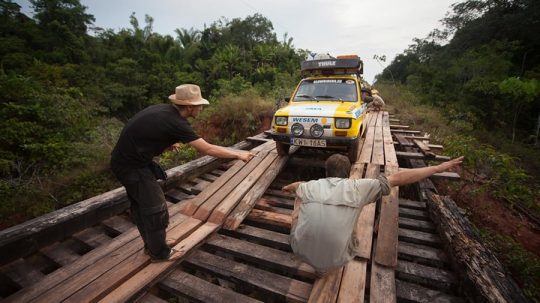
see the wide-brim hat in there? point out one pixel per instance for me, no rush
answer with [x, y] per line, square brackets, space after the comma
[188, 94]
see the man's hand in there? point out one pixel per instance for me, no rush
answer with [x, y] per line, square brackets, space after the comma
[174, 148]
[245, 156]
[291, 188]
[449, 165]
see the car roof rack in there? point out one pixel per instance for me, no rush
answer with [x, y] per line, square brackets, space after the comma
[342, 65]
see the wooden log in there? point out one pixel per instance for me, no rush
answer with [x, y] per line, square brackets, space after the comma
[21, 273]
[60, 253]
[427, 275]
[282, 287]
[409, 292]
[403, 131]
[413, 155]
[270, 218]
[481, 274]
[422, 254]
[182, 284]
[398, 126]
[93, 237]
[258, 254]
[118, 224]
[418, 237]
[412, 204]
[200, 186]
[150, 298]
[260, 235]
[245, 189]
[154, 271]
[243, 208]
[416, 224]
[414, 214]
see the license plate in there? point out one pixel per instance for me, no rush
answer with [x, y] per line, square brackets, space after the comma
[308, 142]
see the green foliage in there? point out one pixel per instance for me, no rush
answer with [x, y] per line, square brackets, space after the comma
[524, 265]
[170, 159]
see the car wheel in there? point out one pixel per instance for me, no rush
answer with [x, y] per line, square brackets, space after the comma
[282, 148]
[353, 151]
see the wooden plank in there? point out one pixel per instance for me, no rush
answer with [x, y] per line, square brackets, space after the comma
[413, 155]
[414, 214]
[387, 236]
[199, 186]
[397, 125]
[194, 204]
[326, 288]
[209, 177]
[409, 292]
[280, 194]
[357, 171]
[353, 282]
[263, 204]
[378, 142]
[270, 218]
[403, 131]
[260, 235]
[182, 284]
[390, 157]
[366, 219]
[382, 284]
[367, 149]
[416, 137]
[118, 224]
[61, 253]
[150, 298]
[92, 236]
[112, 264]
[258, 254]
[279, 202]
[426, 275]
[283, 287]
[154, 271]
[21, 273]
[205, 210]
[176, 195]
[412, 204]
[418, 237]
[416, 225]
[422, 254]
[244, 189]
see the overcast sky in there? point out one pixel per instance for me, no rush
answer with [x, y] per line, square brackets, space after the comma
[366, 28]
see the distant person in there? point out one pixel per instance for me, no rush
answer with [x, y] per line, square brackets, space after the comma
[326, 210]
[145, 136]
[377, 102]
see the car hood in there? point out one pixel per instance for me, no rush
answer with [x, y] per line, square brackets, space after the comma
[327, 109]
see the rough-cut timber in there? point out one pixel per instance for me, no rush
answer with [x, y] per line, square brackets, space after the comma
[487, 279]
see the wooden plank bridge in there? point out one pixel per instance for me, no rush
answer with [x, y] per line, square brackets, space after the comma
[231, 222]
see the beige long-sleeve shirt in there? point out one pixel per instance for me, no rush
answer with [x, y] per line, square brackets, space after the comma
[324, 233]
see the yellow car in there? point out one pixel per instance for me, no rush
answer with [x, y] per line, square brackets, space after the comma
[326, 108]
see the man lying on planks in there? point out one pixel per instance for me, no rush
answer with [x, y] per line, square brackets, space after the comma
[145, 136]
[326, 210]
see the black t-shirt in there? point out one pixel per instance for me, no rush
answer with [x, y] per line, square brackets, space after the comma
[149, 133]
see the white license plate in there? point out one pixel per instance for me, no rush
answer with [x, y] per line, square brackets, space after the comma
[308, 142]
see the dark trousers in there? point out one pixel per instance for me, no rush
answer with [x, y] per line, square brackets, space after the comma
[148, 207]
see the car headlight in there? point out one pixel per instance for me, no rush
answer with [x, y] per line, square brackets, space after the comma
[316, 130]
[343, 123]
[280, 120]
[297, 129]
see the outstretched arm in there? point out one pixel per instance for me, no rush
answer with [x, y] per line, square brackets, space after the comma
[413, 175]
[220, 152]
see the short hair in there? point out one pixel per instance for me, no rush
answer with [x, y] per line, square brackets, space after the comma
[338, 165]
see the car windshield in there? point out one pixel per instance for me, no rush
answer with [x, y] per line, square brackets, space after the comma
[327, 89]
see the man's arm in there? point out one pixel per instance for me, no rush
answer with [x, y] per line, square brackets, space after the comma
[220, 152]
[291, 188]
[413, 175]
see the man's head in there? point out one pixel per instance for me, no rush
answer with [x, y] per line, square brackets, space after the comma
[188, 99]
[338, 165]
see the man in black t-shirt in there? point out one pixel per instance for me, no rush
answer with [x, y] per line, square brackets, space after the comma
[146, 135]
